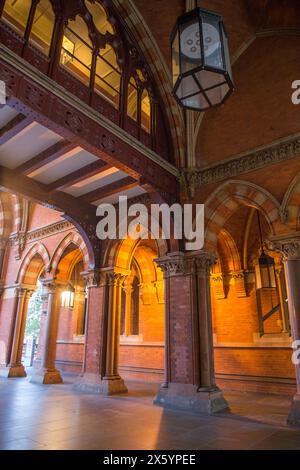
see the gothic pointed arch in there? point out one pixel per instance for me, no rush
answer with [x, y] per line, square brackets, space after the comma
[73, 239]
[35, 261]
[223, 202]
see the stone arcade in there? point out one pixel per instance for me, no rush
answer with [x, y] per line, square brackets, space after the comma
[90, 117]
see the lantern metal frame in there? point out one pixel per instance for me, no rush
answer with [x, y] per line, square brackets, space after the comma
[198, 14]
[265, 262]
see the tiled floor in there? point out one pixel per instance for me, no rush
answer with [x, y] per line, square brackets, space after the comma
[55, 417]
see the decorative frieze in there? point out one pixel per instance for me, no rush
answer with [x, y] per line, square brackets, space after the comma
[40, 233]
[194, 178]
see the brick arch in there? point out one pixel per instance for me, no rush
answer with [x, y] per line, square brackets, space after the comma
[291, 203]
[34, 261]
[233, 259]
[160, 72]
[224, 202]
[145, 256]
[71, 238]
[5, 215]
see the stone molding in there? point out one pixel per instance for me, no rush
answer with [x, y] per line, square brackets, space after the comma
[40, 233]
[287, 245]
[284, 150]
[183, 264]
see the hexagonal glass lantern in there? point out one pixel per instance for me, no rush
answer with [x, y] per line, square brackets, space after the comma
[202, 76]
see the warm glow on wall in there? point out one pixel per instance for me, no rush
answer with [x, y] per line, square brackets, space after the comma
[67, 298]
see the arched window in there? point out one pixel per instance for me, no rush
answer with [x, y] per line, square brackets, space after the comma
[99, 17]
[42, 26]
[135, 308]
[146, 111]
[132, 100]
[108, 75]
[77, 50]
[15, 14]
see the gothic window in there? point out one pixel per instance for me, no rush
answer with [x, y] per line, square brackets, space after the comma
[108, 75]
[130, 308]
[99, 17]
[135, 307]
[16, 13]
[145, 111]
[77, 50]
[42, 26]
[132, 101]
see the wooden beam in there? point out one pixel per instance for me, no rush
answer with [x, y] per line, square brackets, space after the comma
[45, 157]
[33, 190]
[14, 127]
[79, 175]
[119, 186]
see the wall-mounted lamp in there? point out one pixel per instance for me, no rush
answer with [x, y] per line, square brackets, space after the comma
[265, 269]
[67, 297]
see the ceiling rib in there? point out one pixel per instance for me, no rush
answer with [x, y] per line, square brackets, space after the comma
[47, 156]
[117, 187]
[77, 176]
[14, 127]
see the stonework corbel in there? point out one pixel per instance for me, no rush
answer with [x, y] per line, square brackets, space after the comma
[217, 283]
[239, 278]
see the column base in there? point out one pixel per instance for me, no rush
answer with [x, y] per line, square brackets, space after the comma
[92, 383]
[187, 397]
[293, 418]
[11, 372]
[46, 377]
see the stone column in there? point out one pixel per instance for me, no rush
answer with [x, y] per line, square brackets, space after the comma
[47, 373]
[112, 382]
[278, 272]
[190, 378]
[15, 367]
[128, 291]
[289, 246]
[102, 342]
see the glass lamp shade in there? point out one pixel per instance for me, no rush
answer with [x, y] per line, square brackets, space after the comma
[265, 272]
[67, 298]
[201, 68]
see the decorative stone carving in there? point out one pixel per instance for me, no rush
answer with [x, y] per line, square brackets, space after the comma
[175, 264]
[288, 246]
[43, 232]
[240, 283]
[194, 178]
[217, 282]
[92, 278]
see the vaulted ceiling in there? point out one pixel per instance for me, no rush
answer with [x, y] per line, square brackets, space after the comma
[242, 18]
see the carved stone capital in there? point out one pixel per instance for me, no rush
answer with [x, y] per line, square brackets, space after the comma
[50, 286]
[288, 246]
[173, 264]
[92, 278]
[204, 261]
[176, 264]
